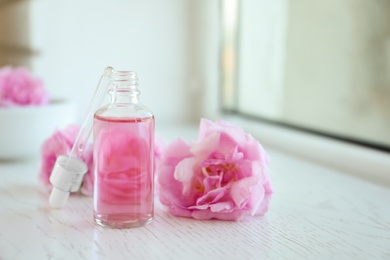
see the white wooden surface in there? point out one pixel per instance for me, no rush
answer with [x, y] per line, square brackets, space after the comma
[316, 213]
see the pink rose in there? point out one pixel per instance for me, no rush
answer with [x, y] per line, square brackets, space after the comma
[223, 175]
[60, 143]
[19, 88]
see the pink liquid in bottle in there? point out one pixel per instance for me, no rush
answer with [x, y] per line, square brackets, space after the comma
[123, 157]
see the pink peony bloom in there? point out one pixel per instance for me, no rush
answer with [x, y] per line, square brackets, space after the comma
[223, 175]
[60, 143]
[19, 88]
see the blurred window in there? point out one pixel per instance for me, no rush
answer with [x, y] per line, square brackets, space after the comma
[318, 66]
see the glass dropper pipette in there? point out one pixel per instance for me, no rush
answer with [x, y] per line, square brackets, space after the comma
[69, 170]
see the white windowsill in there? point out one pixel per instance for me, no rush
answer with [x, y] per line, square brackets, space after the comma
[370, 164]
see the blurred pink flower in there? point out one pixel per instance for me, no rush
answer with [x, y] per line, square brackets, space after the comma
[18, 87]
[60, 143]
[223, 175]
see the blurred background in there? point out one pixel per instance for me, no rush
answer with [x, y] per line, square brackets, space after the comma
[321, 66]
[68, 43]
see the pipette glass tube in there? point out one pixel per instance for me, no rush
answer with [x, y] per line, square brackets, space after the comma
[69, 170]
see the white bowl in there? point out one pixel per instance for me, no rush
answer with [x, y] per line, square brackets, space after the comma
[24, 129]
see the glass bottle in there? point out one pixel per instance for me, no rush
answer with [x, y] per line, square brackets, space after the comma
[123, 134]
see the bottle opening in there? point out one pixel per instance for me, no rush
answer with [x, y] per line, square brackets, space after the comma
[125, 76]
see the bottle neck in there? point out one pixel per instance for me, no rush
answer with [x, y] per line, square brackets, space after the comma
[124, 96]
[123, 88]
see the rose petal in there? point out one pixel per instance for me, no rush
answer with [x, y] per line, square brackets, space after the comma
[208, 214]
[230, 135]
[212, 197]
[264, 205]
[212, 182]
[184, 173]
[256, 199]
[225, 207]
[180, 211]
[170, 189]
[205, 147]
[241, 190]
